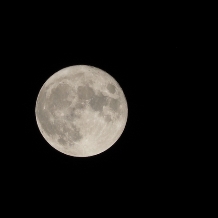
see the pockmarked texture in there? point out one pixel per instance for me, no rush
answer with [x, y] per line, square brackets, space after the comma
[81, 111]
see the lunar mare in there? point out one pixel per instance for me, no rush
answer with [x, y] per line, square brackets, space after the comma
[81, 111]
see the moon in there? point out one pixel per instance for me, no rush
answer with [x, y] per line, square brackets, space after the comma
[81, 111]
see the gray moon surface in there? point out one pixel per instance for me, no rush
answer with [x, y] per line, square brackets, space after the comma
[81, 111]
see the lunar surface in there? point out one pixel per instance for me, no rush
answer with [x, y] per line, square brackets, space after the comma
[81, 111]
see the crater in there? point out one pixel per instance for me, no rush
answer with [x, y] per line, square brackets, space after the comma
[111, 88]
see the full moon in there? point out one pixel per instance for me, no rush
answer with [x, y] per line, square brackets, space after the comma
[81, 111]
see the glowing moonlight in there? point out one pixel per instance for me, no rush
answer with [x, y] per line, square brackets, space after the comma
[81, 111]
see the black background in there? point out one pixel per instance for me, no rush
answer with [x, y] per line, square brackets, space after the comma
[153, 55]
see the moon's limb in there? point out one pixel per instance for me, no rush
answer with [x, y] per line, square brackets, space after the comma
[81, 111]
